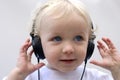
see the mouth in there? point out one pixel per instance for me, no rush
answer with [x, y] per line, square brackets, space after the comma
[68, 60]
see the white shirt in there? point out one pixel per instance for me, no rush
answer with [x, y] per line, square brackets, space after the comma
[50, 74]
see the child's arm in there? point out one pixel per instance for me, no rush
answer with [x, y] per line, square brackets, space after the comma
[110, 57]
[24, 66]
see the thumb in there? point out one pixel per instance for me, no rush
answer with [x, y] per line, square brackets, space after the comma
[98, 63]
[37, 66]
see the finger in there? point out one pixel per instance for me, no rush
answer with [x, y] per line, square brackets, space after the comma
[102, 46]
[31, 52]
[98, 63]
[28, 44]
[101, 52]
[25, 47]
[37, 66]
[30, 55]
[109, 43]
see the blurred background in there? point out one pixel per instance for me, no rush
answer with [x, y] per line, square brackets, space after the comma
[15, 15]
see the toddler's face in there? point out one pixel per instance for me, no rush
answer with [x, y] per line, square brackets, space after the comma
[64, 41]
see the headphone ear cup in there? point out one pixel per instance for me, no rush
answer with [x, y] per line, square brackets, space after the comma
[37, 47]
[90, 49]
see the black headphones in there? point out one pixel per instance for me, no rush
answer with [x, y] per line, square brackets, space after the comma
[37, 46]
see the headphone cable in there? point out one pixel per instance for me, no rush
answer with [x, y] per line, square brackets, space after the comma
[83, 70]
[38, 69]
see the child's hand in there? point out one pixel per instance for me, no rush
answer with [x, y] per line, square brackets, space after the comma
[24, 66]
[110, 56]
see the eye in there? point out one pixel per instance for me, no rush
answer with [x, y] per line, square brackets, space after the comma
[57, 38]
[78, 38]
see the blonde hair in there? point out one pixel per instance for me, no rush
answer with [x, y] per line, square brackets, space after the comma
[63, 8]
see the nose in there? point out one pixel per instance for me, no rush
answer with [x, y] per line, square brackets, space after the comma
[68, 48]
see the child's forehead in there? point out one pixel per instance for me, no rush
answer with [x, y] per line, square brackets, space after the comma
[73, 23]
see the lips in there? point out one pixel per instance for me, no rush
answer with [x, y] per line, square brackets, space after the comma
[68, 60]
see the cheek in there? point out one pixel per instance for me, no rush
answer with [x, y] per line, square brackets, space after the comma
[82, 52]
[52, 56]
[51, 53]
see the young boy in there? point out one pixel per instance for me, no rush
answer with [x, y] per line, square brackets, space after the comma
[65, 31]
